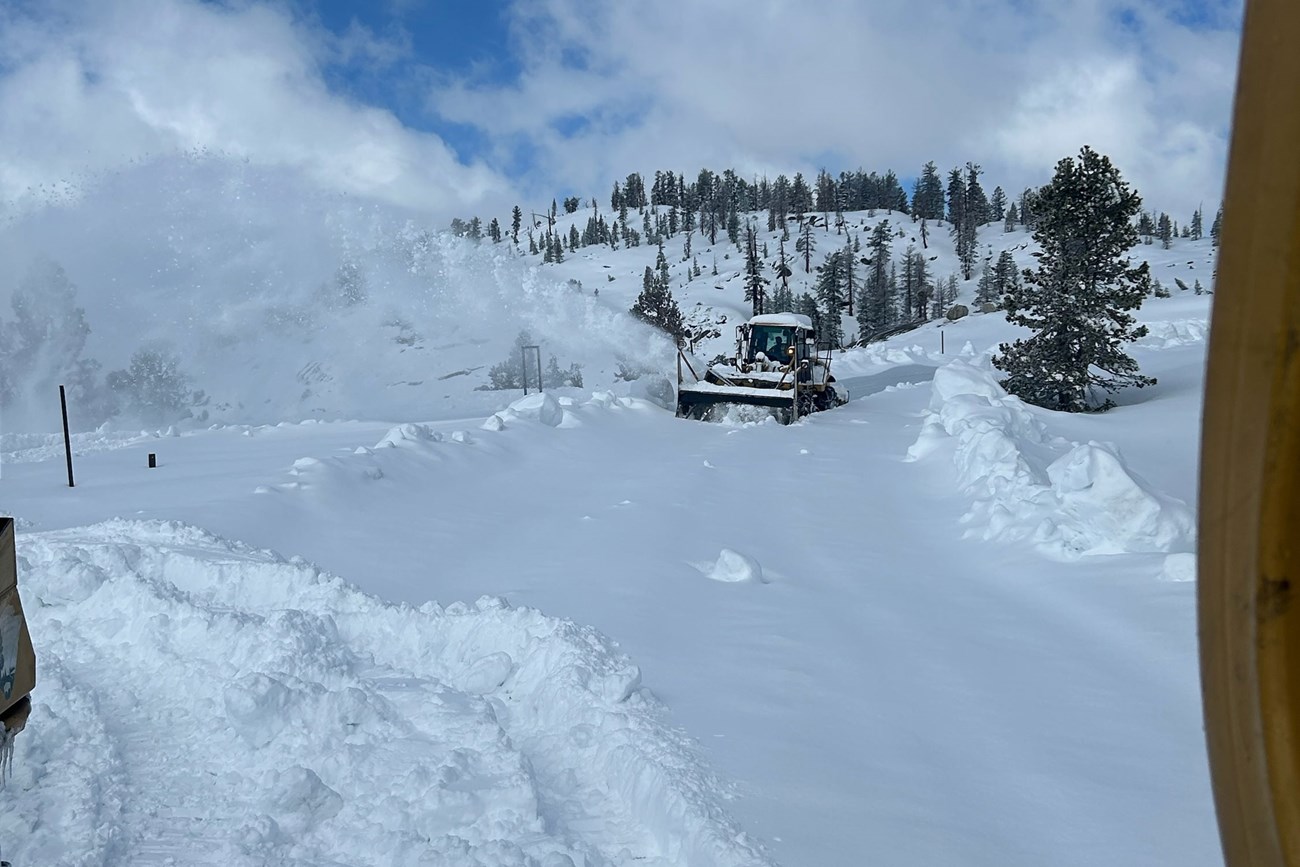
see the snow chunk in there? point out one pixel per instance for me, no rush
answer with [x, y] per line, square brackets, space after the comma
[408, 433]
[494, 423]
[1179, 567]
[541, 407]
[733, 567]
[1069, 499]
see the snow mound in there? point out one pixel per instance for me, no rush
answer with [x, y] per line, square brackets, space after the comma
[1179, 567]
[405, 434]
[733, 567]
[205, 702]
[1180, 332]
[540, 407]
[1069, 499]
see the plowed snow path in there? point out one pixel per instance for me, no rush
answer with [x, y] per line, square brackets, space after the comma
[207, 703]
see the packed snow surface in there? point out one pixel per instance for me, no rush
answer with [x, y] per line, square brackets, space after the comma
[368, 613]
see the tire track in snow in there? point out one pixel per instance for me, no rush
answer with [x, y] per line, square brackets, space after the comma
[256, 711]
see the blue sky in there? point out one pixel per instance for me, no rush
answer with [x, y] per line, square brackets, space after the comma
[473, 105]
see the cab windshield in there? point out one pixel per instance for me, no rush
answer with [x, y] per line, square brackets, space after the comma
[772, 341]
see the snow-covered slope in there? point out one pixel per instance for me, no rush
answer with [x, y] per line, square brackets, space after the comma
[934, 626]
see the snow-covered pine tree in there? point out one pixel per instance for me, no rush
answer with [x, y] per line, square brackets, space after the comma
[755, 282]
[656, 306]
[1216, 227]
[875, 303]
[806, 243]
[963, 219]
[1077, 299]
[1012, 217]
[830, 298]
[1165, 230]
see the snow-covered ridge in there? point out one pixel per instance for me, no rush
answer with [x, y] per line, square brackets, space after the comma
[1068, 499]
[210, 703]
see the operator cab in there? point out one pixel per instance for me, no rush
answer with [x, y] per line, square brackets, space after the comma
[778, 337]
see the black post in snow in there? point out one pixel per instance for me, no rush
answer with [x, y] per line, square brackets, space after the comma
[67, 438]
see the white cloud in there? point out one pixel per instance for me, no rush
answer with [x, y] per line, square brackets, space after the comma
[763, 86]
[890, 84]
[90, 87]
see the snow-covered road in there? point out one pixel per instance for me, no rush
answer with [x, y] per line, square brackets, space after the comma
[888, 692]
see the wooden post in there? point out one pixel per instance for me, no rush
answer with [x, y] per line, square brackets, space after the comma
[941, 341]
[67, 438]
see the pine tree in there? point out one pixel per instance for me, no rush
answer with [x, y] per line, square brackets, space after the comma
[1146, 227]
[963, 217]
[807, 305]
[830, 298]
[656, 306]
[755, 282]
[1217, 226]
[1165, 230]
[1012, 216]
[977, 204]
[998, 204]
[850, 274]
[928, 200]
[516, 219]
[922, 288]
[875, 303]
[1076, 299]
[805, 244]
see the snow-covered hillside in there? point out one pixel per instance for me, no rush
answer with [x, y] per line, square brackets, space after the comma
[935, 626]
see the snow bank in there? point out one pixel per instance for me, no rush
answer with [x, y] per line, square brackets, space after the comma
[1171, 334]
[1069, 499]
[205, 702]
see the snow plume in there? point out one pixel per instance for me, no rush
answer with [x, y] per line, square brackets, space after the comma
[250, 294]
[1069, 499]
[207, 702]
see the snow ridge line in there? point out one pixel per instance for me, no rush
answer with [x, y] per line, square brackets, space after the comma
[1068, 499]
[342, 727]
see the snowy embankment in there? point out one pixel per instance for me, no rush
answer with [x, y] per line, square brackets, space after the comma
[1068, 499]
[205, 702]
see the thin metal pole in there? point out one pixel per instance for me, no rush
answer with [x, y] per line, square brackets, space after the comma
[67, 438]
[941, 341]
[523, 354]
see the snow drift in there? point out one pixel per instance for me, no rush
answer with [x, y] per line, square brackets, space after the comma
[1069, 499]
[206, 702]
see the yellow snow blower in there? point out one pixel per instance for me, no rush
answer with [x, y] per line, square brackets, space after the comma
[777, 365]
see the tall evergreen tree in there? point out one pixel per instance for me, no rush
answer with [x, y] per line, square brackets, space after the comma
[755, 282]
[807, 305]
[1012, 217]
[998, 203]
[875, 303]
[1077, 299]
[978, 210]
[516, 219]
[1217, 226]
[928, 201]
[1165, 230]
[830, 298]
[962, 217]
[805, 244]
[1198, 228]
[656, 306]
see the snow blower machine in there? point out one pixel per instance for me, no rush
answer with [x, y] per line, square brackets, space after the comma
[777, 365]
